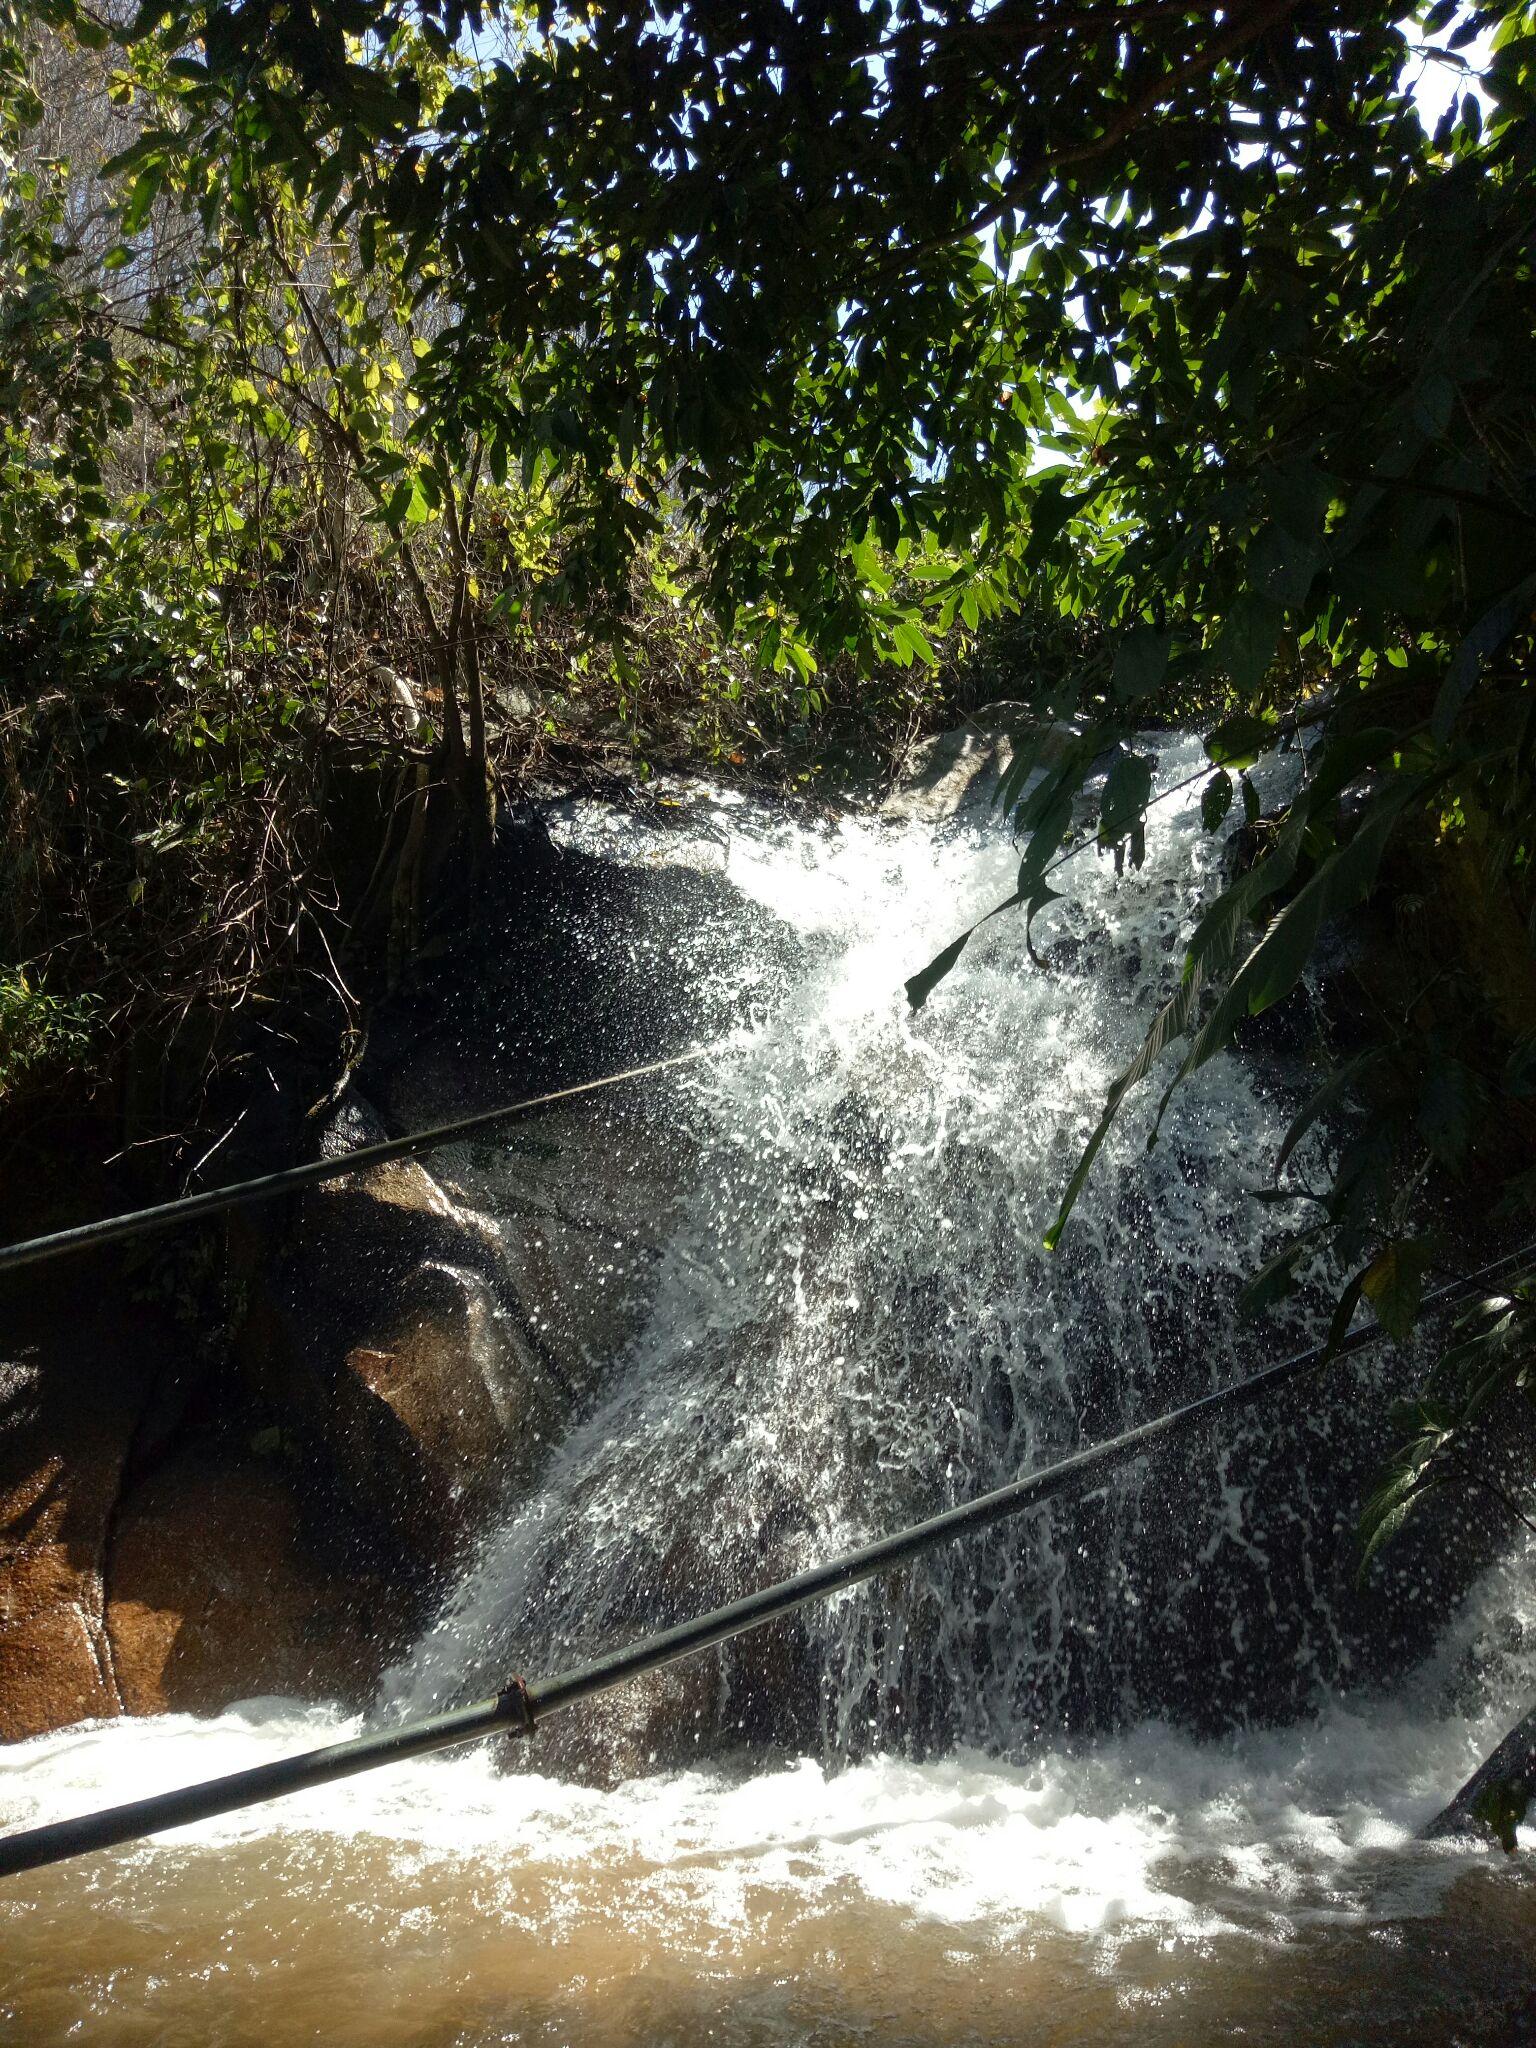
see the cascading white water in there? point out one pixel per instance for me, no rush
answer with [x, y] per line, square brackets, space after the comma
[855, 1322]
[965, 1814]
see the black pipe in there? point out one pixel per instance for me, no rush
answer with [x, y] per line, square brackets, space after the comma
[514, 1710]
[188, 1208]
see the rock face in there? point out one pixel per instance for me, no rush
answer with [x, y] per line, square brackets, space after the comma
[955, 775]
[182, 1532]
[65, 1428]
[219, 1592]
[132, 1580]
[951, 773]
[389, 1350]
[432, 1329]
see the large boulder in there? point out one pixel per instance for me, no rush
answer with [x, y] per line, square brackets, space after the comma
[148, 1561]
[954, 776]
[390, 1348]
[66, 1424]
[432, 1327]
[221, 1589]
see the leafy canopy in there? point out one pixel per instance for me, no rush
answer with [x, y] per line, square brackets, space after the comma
[1171, 314]
[817, 276]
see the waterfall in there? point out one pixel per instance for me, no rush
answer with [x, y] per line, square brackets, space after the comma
[854, 1324]
[977, 1800]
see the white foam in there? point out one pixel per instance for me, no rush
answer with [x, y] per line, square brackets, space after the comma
[1149, 1829]
[854, 1321]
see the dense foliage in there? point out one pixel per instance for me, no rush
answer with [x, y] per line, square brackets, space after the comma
[265, 644]
[879, 320]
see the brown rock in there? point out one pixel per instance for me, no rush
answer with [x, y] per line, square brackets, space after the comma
[218, 1592]
[67, 1416]
[189, 1584]
[436, 1418]
[586, 1208]
[386, 1347]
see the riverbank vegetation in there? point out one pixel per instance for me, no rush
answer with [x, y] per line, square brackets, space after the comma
[270, 651]
[403, 400]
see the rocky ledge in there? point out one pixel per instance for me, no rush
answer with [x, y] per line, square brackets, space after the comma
[187, 1520]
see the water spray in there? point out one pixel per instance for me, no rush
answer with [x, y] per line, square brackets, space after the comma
[516, 1710]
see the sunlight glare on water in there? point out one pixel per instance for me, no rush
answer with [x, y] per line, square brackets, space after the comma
[1265, 1888]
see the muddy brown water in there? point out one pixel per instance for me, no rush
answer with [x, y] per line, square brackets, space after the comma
[1150, 1890]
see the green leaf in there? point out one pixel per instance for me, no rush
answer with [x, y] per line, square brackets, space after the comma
[1339, 882]
[1050, 512]
[1275, 1279]
[1343, 1315]
[141, 197]
[1032, 893]
[1484, 641]
[1520, 1068]
[921, 985]
[1065, 769]
[1394, 1286]
[1141, 660]
[1210, 950]
[1448, 1110]
[1387, 1509]
[1275, 965]
[1216, 800]
[1039, 897]
[1123, 805]
[1298, 495]
[1216, 936]
[1331, 1092]
[1281, 566]
[1246, 645]
[326, 188]
[1238, 741]
[152, 143]
[1433, 403]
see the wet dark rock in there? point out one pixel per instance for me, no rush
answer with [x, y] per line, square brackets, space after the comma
[223, 1588]
[432, 1327]
[417, 1337]
[378, 1341]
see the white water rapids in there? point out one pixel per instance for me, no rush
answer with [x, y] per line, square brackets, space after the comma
[1142, 1769]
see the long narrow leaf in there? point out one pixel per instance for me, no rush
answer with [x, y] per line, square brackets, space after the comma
[1485, 639]
[1319, 1103]
[1276, 963]
[1270, 969]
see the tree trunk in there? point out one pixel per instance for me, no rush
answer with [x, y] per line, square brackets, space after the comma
[465, 650]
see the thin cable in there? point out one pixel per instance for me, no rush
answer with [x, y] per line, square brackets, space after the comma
[187, 1208]
[514, 1710]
